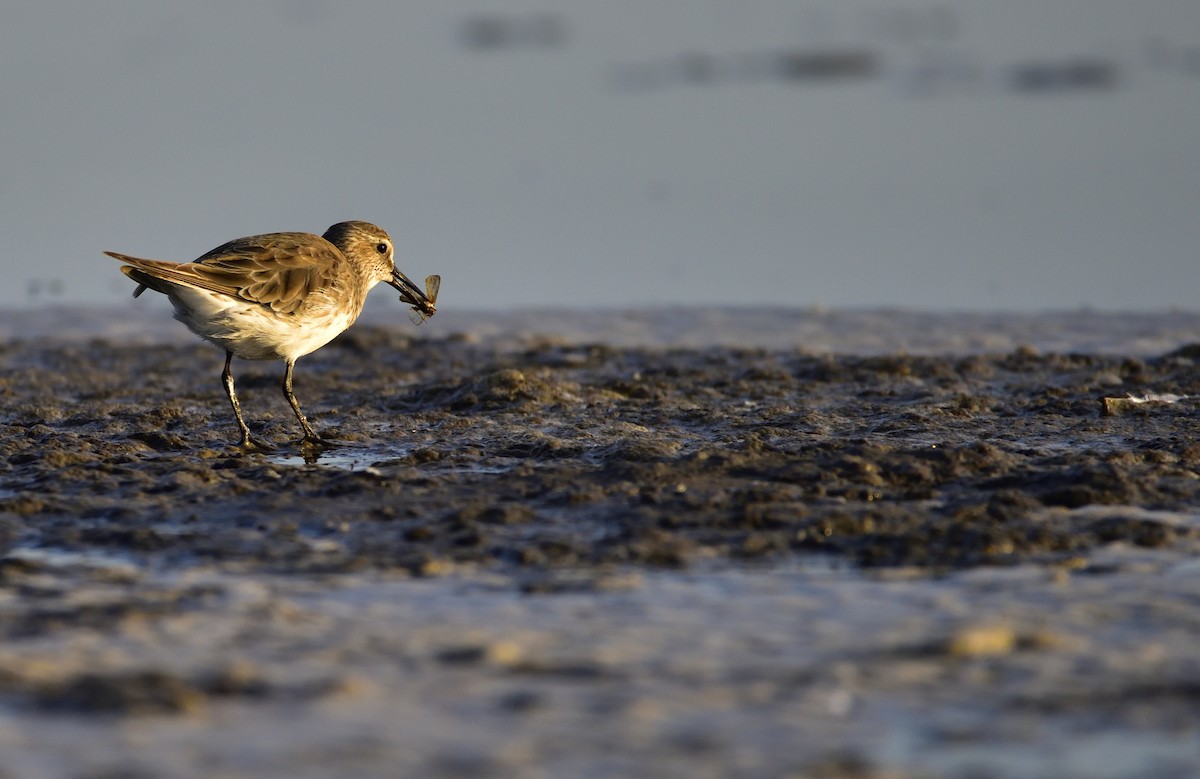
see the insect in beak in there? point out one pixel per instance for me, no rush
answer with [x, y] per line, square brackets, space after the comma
[424, 304]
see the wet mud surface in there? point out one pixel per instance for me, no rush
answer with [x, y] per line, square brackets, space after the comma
[545, 556]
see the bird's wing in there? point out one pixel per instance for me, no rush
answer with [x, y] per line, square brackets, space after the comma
[276, 270]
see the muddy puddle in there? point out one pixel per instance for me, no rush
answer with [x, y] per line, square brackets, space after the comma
[547, 555]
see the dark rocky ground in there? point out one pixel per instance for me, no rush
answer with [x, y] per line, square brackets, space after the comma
[151, 571]
[583, 455]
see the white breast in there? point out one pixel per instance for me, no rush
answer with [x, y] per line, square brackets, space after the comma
[252, 331]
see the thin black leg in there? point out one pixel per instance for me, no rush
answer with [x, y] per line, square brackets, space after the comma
[247, 443]
[310, 437]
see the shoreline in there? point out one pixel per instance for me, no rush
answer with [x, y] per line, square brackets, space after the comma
[825, 331]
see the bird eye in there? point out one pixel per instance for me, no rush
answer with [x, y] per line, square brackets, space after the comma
[381, 248]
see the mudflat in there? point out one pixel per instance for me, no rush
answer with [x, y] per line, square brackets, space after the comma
[539, 554]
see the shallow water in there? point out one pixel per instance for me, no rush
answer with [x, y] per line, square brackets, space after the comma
[864, 544]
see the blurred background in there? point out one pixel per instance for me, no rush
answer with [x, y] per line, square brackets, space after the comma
[951, 154]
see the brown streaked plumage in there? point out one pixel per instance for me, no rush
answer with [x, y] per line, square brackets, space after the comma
[279, 296]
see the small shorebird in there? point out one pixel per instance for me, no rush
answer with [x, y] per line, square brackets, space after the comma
[279, 296]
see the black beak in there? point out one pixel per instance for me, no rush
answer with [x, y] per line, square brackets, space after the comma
[411, 294]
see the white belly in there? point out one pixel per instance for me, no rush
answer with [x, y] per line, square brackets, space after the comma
[252, 331]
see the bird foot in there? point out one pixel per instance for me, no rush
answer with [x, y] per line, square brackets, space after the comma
[251, 446]
[317, 443]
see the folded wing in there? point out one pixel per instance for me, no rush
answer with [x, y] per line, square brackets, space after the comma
[277, 270]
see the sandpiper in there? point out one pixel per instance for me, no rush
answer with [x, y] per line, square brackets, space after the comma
[279, 296]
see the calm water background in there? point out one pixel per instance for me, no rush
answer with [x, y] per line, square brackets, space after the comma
[947, 155]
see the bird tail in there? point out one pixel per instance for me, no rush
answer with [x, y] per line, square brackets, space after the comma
[136, 271]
